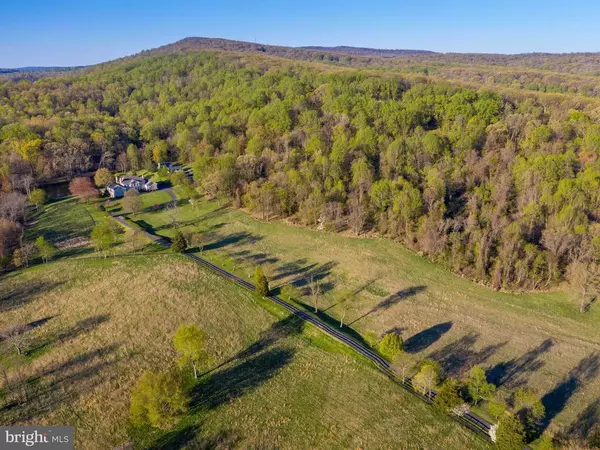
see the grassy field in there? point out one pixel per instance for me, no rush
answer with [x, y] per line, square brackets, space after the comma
[97, 324]
[61, 220]
[539, 340]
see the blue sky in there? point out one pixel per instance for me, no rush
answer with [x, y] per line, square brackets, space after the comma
[48, 33]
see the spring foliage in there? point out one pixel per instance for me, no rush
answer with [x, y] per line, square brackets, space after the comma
[158, 399]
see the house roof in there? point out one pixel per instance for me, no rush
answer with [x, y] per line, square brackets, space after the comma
[133, 178]
[114, 186]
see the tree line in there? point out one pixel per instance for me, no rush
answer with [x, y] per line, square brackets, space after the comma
[503, 190]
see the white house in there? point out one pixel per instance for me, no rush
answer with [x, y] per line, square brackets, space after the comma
[123, 184]
[138, 183]
[116, 190]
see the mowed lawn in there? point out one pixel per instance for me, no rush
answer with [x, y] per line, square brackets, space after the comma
[539, 340]
[99, 323]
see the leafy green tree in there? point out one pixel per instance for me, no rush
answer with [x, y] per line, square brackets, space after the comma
[102, 237]
[510, 434]
[530, 410]
[103, 177]
[428, 376]
[448, 397]
[477, 385]
[179, 178]
[38, 197]
[391, 346]
[158, 399]
[160, 152]
[45, 249]
[496, 408]
[133, 156]
[189, 342]
[162, 174]
[261, 284]
[545, 442]
[178, 243]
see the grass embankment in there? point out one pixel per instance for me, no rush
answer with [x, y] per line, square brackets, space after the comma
[101, 323]
[534, 339]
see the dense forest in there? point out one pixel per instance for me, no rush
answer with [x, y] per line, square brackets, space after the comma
[503, 189]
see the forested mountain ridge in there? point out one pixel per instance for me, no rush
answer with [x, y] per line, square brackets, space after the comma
[501, 189]
[571, 73]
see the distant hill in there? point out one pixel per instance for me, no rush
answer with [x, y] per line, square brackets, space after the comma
[365, 51]
[564, 73]
[34, 72]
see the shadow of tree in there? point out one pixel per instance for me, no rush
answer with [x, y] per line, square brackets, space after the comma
[395, 330]
[459, 356]
[178, 439]
[234, 382]
[423, 339]
[290, 326]
[317, 273]
[233, 239]
[20, 329]
[59, 384]
[556, 400]
[24, 293]
[586, 423]
[507, 372]
[83, 326]
[293, 268]
[391, 301]
[246, 256]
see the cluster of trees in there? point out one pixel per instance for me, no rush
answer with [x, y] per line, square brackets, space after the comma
[501, 190]
[160, 398]
[14, 249]
[518, 413]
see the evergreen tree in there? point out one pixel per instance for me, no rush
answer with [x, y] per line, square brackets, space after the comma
[260, 282]
[179, 244]
[391, 346]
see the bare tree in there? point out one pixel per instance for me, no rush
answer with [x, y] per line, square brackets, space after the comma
[315, 292]
[356, 214]
[584, 279]
[11, 234]
[24, 181]
[70, 157]
[122, 163]
[24, 254]
[136, 240]
[16, 336]
[173, 213]
[12, 206]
